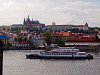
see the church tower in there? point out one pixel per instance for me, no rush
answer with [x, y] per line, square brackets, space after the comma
[86, 24]
[24, 22]
[28, 20]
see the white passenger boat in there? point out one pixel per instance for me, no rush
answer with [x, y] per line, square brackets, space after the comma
[61, 53]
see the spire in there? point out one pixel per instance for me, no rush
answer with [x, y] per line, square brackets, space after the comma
[24, 22]
[28, 19]
[24, 19]
[86, 24]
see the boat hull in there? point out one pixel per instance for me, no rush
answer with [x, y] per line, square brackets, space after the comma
[57, 57]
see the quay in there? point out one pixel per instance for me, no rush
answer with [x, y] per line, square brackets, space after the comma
[83, 43]
[85, 46]
[88, 46]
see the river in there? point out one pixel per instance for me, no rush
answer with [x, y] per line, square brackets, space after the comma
[15, 63]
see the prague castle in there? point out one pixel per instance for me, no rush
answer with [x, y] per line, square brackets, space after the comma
[27, 22]
[34, 23]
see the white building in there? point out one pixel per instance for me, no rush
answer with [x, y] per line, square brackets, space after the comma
[38, 41]
[64, 27]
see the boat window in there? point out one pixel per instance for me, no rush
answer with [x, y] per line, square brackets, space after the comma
[81, 53]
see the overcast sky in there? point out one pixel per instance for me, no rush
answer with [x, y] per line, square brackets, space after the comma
[48, 11]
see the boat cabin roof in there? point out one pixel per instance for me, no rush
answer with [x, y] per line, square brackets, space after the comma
[66, 49]
[82, 52]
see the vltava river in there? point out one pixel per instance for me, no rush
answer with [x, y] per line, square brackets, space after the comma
[15, 63]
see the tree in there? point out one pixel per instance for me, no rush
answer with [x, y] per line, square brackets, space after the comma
[48, 37]
[61, 41]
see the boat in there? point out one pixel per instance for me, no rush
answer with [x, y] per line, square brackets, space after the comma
[61, 53]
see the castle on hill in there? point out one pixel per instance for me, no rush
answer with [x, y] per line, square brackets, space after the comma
[35, 23]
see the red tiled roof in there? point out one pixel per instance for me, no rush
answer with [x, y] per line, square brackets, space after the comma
[61, 34]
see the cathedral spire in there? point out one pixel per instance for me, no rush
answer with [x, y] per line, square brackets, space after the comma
[86, 24]
[28, 18]
[24, 22]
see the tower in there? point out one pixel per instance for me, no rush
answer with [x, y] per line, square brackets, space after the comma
[24, 22]
[53, 23]
[86, 24]
[28, 19]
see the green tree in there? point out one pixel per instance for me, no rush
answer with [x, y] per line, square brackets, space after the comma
[48, 37]
[61, 41]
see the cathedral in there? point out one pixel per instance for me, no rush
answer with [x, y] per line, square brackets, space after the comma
[32, 22]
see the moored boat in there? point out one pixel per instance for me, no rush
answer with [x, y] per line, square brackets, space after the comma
[61, 53]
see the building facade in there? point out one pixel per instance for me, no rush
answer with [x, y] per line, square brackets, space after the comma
[66, 27]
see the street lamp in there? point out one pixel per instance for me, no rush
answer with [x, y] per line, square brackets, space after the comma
[1, 57]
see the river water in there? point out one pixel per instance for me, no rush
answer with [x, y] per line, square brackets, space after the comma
[15, 63]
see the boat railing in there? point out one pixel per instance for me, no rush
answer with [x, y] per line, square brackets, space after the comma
[77, 50]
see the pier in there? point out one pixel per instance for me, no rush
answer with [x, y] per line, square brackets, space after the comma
[83, 43]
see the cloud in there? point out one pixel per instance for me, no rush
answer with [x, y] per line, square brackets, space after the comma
[60, 11]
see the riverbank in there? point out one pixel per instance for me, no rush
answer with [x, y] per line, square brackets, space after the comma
[82, 48]
[89, 48]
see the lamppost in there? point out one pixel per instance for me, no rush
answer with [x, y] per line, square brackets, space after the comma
[1, 57]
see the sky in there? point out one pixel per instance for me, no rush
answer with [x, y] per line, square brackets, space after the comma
[48, 11]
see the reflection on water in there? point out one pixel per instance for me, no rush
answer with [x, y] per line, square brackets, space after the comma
[15, 63]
